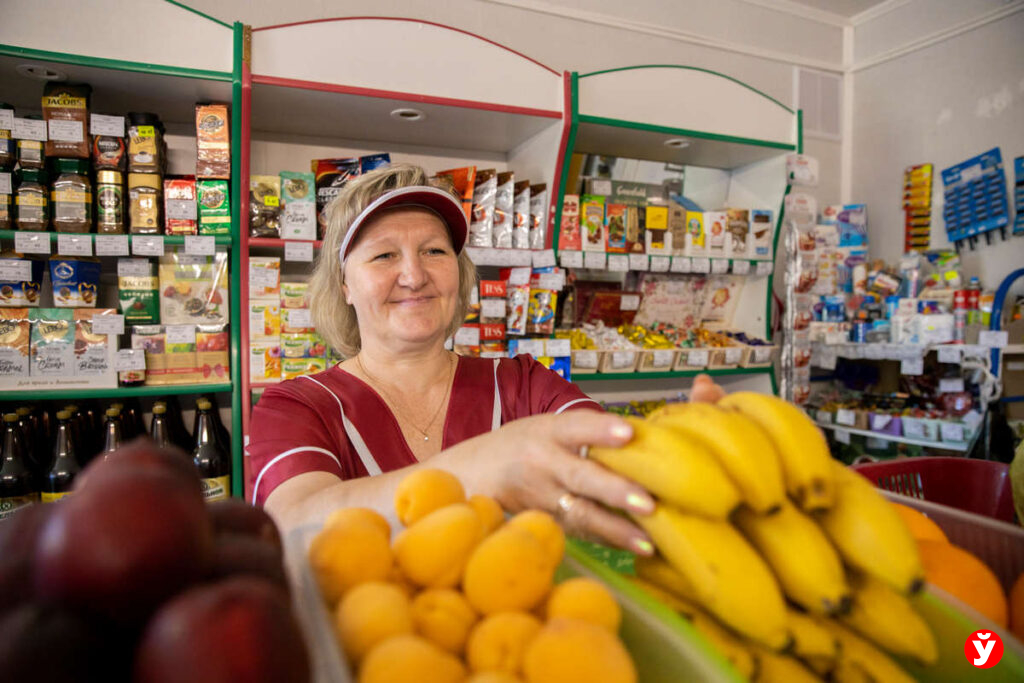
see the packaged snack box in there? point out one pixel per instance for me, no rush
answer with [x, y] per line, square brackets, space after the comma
[212, 362]
[75, 281]
[294, 295]
[214, 207]
[264, 277]
[656, 232]
[53, 343]
[15, 334]
[265, 361]
[636, 230]
[137, 297]
[181, 212]
[298, 206]
[615, 228]
[213, 141]
[265, 206]
[677, 229]
[592, 228]
[264, 318]
[761, 233]
[151, 340]
[569, 238]
[737, 233]
[696, 237]
[193, 289]
[15, 288]
[93, 352]
[716, 225]
[297, 367]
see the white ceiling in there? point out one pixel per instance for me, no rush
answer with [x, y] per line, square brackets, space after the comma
[843, 8]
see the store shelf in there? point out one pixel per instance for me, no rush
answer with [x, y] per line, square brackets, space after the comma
[176, 240]
[943, 445]
[276, 243]
[601, 376]
[1014, 349]
[119, 392]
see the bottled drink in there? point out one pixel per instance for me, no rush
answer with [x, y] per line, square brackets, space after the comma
[211, 460]
[158, 429]
[111, 432]
[16, 486]
[223, 437]
[973, 301]
[35, 464]
[61, 476]
[176, 425]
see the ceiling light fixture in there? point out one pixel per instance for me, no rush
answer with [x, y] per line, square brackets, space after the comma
[408, 115]
[40, 73]
[677, 143]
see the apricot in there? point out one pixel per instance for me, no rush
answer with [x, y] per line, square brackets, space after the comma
[433, 551]
[500, 640]
[574, 651]
[491, 514]
[345, 515]
[585, 599]
[443, 616]
[424, 491]
[410, 658]
[370, 613]
[509, 570]
[345, 555]
[493, 677]
[545, 529]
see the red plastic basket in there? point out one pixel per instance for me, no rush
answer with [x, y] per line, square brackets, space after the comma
[978, 486]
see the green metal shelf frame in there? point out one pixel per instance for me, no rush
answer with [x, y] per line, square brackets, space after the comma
[670, 374]
[175, 240]
[118, 392]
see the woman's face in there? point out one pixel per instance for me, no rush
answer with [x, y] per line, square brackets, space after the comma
[402, 277]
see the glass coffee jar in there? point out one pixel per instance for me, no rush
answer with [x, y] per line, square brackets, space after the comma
[31, 200]
[71, 196]
[109, 202]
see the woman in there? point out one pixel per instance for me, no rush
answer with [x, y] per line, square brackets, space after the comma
[392, 283]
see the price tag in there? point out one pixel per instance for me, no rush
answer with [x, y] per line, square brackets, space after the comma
[74, 245]
[182, 209]
[29, 129]
[181, 334]
[133, 267]
[584, 358]
[733, 356]
[827, 360]
[741, 267]
[467, 336]
[701, 265]
[299, 317]
[951, 431]
[949, 354]
[492, 308]
[552, 281]
[842, 436]
[681, 264]
[111, 245]
[845, 416]
[15, 270]
[951, 385]
[544, 258]
[148, 245]
[571, 259]
[638, 262]
[594, 260]
[764, 267]
[200, 245]
[623, 359]
[130, 359]
[876, 444]
[662, 358]
[108, 324]
[974, 351]
[660, 264]
[32, 242]
[558, 348]
[698, 358]
[101, 124]
[994, 339]
[66, 131]
[618, 262]
[271, 200]
[629, 302]
[912, 366]
[519, 276]
[719, 266]
[913, 429]
[6, 119]
[5, 181]
[145, 131]
[298, 251]
[533, 347]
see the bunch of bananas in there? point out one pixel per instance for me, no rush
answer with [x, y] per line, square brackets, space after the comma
[793, 566]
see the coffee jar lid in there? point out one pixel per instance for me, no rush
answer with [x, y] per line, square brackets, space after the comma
[77, 166]
[108, 177]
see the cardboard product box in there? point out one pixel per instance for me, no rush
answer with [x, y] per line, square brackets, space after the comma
[94, 352]
[294, 295]
[298, 206]
[716, 228]
[193, 289]
[696, 237]
[656, 229]
[569, 237]
[264, 318]
[15, 336]
[151, 340]
[737, 233]
[264, 277]
[214, 207]
[615, 229]
[181, 211]
[297, 367]
[53, 343]
[592, 227]
[75, 281]
[676, 230]
[137, 296]
[762, 230]
[302, 345]
[635, 231]
[18, 291]
[265, 361]
[296, 320]
[212, 361]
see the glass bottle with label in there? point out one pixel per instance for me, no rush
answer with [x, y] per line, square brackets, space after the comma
[16, 487]
[158, 429]
[111, 432]
[213, 463]
[145, 197]
[61, 476]
[179, 433]
[71, 196]
[35, 464]
[109, 202]
[31, 200]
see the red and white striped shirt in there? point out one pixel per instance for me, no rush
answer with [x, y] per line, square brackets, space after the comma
[334, 422]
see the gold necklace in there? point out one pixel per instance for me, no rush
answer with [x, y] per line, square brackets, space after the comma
[394, 405]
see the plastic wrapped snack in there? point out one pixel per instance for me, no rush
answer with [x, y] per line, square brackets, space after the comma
[194, 289]
[265, 206]
[481, 233]
[504, 203]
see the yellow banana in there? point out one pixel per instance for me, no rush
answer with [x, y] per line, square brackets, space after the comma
[729, 578]
[657, 571]
[812, 643]
[869, 533]
[859, 660]
[775, 668]
[742, 448]
[889, 620]
[805, 563]
[674, 469]
[803, 450]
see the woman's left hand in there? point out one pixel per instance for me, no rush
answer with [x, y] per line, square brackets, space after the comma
[705, 390]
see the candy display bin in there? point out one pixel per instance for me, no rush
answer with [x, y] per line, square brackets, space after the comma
[619, 361]
[585, 361]
[692, 359]
[757, 356]
[885, 423]
[657, 360]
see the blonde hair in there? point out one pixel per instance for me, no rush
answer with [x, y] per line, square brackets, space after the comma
[335, 319]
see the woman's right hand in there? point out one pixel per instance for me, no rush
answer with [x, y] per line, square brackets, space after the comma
[534, 462]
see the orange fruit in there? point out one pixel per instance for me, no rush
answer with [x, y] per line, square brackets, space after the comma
[509, 570]
[921, 527]
[572, 651]
[1017, 608]
[410, 658]
[498, 642]
[491, 514]
[444, 617]
[433, 551]
[424, 491]
[345, 515]
[585, 599]
[371, 613]
[545, 529]
[348, 553]
[965, 577]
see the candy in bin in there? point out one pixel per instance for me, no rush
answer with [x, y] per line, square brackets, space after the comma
[518, 306]
[541, 311]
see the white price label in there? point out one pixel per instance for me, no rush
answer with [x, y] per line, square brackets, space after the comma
[130, 359]
[912, 366]
[5, 182]
[951, 385]
[764, 267]
[875, 443]
[638, 262]
[949, 354]
[532, 347]
[698, 358]
[148, 245]
[974, 351]
[662, 358]
[492, 308]
[951, 431]
[660, 264]
[32, 242]
[519, 276]
[181, 334]
[263, 277]
[827, 360]
[842, 436]
[298, 251]
[845, 416]
[719, 266]
[467, 336]
[200, 245]
[299, 317]
[6, 119]
[182, 209]
[112, 245]
[682, 264]
[741, 267]
[585, 358]
[15, 270]
[544, 258]
[552, 281]
[733, 356]
[994, 339]
[623, 359]
[558, 348]
[594, 260]
[629, 302]
[913, 428]
[618, 262]
[571, 259]
[700, 265]
[108, 324]
[101, 124]
[67, 131]
[133, 267]
[74, 245]
[29, 129]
